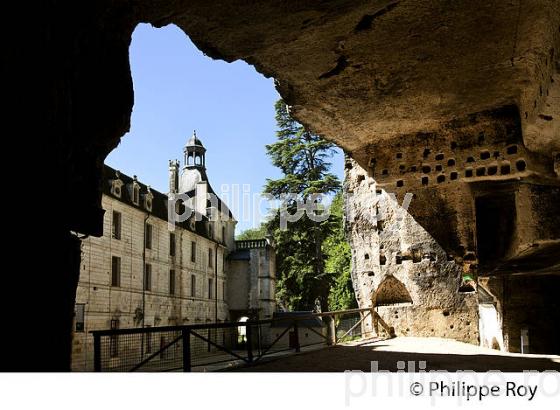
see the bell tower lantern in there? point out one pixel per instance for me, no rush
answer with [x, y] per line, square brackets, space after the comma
[195, 153]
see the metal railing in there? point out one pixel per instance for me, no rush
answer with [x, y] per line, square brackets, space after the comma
[250, 244]
[217, 346]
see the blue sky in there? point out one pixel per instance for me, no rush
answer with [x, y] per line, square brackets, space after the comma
[178, 89]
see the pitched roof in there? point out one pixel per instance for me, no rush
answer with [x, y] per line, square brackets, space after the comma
[159, 201]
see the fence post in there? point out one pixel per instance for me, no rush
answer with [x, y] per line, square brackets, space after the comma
[249, 334]
[296, 336]
[374, 322]
[96, 352]
[362, 325]
[332, 331]
[186, 335]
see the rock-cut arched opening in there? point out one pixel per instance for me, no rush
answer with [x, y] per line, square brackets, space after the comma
[391, 291]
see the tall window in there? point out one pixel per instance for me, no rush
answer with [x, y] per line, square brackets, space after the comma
[136, 195]
[193, 251]
[148, 238]
[172, 282]
[115, 271]
[193, 286]
[172, 244]
[223, 233]
[148, 277]
[210, 258]
[223, 291]
[210, 287]
[116, 225]
[80, 317]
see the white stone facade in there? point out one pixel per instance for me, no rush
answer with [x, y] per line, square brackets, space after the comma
[104, 304]
[143, 273]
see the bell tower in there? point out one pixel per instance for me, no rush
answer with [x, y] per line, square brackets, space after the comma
[195, 153]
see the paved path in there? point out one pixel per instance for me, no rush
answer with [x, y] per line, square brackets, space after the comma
[439, 354]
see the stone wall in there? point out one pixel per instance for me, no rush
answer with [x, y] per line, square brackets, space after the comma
[386, 241]
[252, 282]
[127, 302]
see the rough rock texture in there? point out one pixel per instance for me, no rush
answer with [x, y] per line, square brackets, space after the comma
[474, 196]
[388, 67]
[357, 72]
[387, 242]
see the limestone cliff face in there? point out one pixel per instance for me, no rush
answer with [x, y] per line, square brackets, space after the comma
[387, 242]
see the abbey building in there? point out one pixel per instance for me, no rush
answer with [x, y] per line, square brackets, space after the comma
[141, 273]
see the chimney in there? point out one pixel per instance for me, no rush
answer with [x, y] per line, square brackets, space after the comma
[173, 176]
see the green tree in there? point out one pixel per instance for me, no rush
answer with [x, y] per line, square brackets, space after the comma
[303, 158]
[337, 250]
[252, 233]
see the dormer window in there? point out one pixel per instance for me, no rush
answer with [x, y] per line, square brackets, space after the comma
[148, 200]
[116, 185]
[135, 191]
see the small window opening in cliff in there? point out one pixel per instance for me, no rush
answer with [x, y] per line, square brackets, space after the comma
[511, 150]
[453, 176]
[495, 226]
[385, 172]
[492, 170]
[521, 165]
[468, 173]
[505, 168]
[439, 156]
[470, 159]
[440, 179]
[480, 171]
[399, 155]
[382, 259]
[439, 167]
[426, 169]
[426, 153]
[484, 154]
[451, 162]
[400, 183]
[425, 180]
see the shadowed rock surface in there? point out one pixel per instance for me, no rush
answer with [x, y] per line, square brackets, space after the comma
[357, 72]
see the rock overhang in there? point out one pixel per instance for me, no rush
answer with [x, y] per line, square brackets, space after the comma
[358, 72]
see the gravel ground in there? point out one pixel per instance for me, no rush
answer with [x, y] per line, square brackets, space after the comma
[439, 354]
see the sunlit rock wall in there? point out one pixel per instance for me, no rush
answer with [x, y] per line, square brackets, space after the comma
[386, 240]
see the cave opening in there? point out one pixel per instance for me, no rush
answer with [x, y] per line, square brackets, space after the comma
[495, 226]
